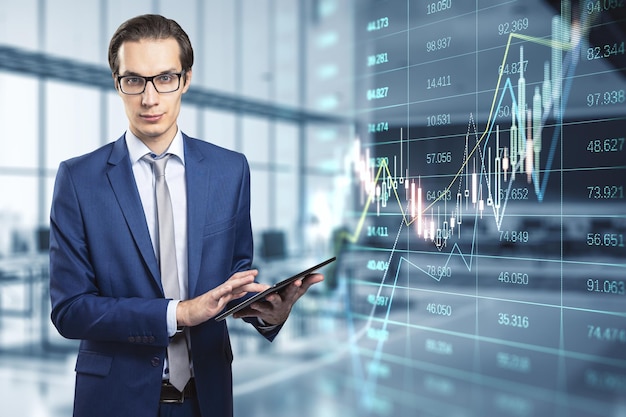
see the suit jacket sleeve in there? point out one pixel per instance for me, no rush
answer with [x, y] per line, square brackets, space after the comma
[97, 291]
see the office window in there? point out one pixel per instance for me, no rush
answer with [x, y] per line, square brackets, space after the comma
[256, 141]
[116, 122]
[72, 30]
[286, 53]
[18, 117]
[259, 192]
[72, 121]
[121, 10]
[18, 213]
[187, 119]
[219, 128]
[255, 52]
[217, 64]
[286, 180]
[14, 17]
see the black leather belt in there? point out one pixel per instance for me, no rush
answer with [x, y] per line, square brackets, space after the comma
[169, 394]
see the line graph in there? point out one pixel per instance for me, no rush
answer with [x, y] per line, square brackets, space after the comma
[474, 247]
[526, 163]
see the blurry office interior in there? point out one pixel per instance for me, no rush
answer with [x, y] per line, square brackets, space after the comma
[268, 82]
[283, 81]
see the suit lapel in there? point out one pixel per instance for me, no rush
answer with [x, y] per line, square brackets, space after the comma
[122, 181]
[198, 185]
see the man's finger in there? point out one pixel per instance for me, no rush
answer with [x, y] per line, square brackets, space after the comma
[244, 274]
[312, 279]
[221, 291]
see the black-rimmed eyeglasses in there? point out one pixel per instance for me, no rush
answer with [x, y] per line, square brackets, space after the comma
[163, 83]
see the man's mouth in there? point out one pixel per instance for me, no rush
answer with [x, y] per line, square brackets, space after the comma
[151, 117]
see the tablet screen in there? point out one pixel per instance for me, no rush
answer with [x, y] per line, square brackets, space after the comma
[274, 288]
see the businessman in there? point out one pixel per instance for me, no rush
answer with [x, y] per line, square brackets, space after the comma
[150, 238]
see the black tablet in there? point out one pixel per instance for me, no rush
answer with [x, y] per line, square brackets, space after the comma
[272, 289]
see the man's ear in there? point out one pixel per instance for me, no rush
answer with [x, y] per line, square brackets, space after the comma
[114, 81]
[187, 80]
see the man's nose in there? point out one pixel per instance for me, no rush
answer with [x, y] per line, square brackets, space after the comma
[150, 95]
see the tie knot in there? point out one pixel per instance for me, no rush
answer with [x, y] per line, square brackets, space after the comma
[158, 164]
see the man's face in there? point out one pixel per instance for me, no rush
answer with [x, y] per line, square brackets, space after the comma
[152, 115]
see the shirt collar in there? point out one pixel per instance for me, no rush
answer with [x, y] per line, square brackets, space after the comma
[137, 149]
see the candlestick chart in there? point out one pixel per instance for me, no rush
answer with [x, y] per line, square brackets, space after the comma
[485, 255]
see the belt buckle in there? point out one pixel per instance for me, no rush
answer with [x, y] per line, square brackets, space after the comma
[171, 388]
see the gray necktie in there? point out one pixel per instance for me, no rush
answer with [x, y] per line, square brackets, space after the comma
[177, 353]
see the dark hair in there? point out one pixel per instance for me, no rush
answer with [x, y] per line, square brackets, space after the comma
[150, 26]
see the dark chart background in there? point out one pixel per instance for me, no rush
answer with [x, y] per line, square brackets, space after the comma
[486, 250]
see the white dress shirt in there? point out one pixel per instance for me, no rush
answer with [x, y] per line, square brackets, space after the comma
[175, 177]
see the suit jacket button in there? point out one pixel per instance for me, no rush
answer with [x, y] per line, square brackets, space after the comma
[151, 339]
[144, 340]
[131, 339]
[156, 361]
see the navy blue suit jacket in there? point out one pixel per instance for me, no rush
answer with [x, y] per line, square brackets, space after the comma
[105, 285]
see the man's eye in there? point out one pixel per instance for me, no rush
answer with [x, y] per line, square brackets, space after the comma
[132, 80]
[165, 78]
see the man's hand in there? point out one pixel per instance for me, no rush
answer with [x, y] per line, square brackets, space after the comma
[208, 305]
[277, 306]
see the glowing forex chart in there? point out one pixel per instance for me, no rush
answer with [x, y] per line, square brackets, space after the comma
[485, 255]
